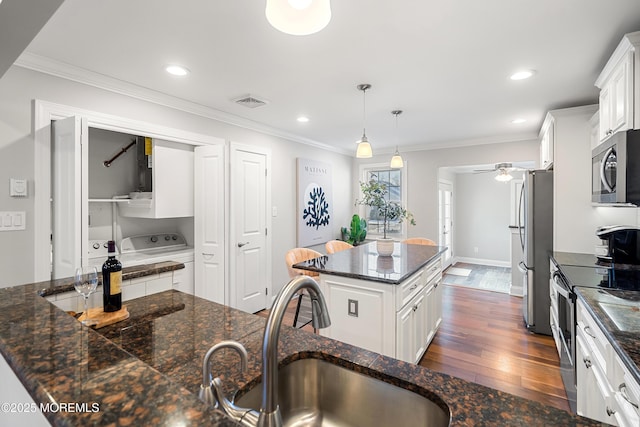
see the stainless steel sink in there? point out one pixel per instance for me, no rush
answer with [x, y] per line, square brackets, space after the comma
[313, 392]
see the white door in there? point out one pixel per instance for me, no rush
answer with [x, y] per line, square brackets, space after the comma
[209, 223]
[250, 283]
[69, 222]
[445, 221]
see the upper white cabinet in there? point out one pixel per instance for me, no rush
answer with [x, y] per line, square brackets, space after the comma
[619, 88]
[172, 184]
[547, 139]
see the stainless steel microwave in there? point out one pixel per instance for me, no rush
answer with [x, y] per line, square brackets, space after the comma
[616, 170]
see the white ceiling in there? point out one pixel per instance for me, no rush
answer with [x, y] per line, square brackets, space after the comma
[445, 63]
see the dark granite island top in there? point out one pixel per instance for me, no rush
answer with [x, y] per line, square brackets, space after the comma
[363, 262]
[146, 370]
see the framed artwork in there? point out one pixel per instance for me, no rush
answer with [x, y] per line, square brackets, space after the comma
[315, 202]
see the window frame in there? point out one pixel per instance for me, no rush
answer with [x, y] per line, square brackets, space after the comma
[364, 170]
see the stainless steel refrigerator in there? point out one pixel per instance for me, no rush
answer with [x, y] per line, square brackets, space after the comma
[536, 238]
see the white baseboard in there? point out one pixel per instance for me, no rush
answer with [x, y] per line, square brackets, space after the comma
[491, 262]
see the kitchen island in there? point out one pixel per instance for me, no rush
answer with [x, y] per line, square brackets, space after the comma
[147, 369]
[388, 304]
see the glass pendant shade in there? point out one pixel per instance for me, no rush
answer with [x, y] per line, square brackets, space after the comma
[396, 161]
[364, 150]
[298, 17]
[503, 176]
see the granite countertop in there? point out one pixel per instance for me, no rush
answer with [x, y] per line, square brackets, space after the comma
[146, 370]
[618, 314]
[363, 262]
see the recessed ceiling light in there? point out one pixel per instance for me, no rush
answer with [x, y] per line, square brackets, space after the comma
[177, 70]
[303, 119]
[521, 75]
[518, 121]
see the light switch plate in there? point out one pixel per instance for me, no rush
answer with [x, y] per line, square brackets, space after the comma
[12, 221]
[352, 310]
[18, 187]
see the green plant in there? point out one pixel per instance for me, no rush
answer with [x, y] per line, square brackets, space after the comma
[374, 195]
[357, 232]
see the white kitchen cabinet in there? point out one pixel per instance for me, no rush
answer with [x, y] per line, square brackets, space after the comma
[395, 320]
[547, 140]
[601, 379]
[627, 395]
[619, 92]
[173, 184]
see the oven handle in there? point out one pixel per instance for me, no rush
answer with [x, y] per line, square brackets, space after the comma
[603, 165]
[558, 284]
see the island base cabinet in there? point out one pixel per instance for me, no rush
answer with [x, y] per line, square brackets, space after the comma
[395, 320]
[362, 314]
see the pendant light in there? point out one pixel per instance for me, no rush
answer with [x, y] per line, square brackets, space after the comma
[396, 160]
[364, 150]
[298, 17]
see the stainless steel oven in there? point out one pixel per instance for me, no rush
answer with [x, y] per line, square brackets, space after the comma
[616, 170]
[563, 328]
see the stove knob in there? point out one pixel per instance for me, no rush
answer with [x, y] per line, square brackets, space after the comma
[154, 239]
[167, 237]
[105, 245]
[96, 245]
[174, 237]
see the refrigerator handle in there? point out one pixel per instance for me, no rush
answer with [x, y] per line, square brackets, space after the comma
[523, 268]
[520, 230]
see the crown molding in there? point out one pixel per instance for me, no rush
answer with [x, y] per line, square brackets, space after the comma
[70, 72]
[458, 143]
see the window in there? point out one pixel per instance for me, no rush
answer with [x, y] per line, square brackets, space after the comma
[395, 183]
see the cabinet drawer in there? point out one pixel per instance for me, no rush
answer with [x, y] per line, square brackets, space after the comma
[627, 395]
[594, 338]
[410, 288]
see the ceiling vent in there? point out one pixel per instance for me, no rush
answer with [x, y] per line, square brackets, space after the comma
[250, 101]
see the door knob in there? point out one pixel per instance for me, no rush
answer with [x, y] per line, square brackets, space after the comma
[241, 244]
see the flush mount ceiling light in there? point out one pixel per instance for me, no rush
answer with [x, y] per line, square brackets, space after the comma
[176, 70]
[303, 119]
[518, 121]
[522, 75]
[298, 17]
[396, 160]
[364, 150]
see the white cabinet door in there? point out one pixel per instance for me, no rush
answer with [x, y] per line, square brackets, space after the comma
[422, 325]
[404, 334]
[172, 179]
[209, 232]
[605, 112]
[621, 91]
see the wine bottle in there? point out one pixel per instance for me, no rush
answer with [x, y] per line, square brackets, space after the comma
[111, 281]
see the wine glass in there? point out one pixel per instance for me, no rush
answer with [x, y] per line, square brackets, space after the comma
[86, 282]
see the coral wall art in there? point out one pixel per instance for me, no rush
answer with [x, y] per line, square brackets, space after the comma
[315, 203]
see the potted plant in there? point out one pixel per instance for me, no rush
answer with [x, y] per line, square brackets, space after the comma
[357, 231]
[374, 194]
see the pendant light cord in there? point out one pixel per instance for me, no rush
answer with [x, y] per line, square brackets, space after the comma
[364, 111]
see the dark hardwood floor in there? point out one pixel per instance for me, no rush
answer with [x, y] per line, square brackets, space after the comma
[482, 339]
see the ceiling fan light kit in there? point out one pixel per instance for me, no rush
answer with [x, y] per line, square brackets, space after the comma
[298, 17]
[364, 150]
[503, 176]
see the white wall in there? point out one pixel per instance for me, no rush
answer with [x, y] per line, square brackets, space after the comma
[482, 214]
[422, 175]
[20, 86]
[575, 219]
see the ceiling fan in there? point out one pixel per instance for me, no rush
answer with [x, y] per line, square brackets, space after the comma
[502, 171]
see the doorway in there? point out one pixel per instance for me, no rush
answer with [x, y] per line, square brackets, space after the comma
[445, 220]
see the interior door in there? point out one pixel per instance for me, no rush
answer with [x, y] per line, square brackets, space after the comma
[209, 221]
[445, 221]
[250, 283]
[69, 194]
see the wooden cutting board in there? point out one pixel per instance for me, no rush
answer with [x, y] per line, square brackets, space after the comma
[105, 319]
